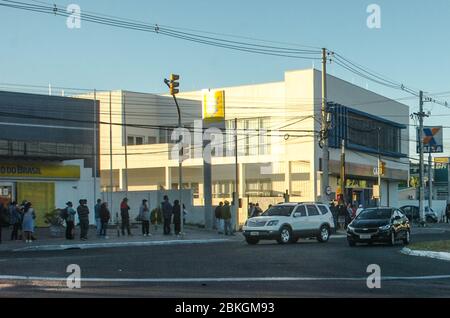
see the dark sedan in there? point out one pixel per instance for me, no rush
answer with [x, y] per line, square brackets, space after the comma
[412, 212]
[384, 225]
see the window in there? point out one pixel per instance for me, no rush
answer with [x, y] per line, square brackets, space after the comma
[323, 209]
[151, 140]
[312, 210]
[139, 141]
[130, 141]
[301, 210]
[279, 210]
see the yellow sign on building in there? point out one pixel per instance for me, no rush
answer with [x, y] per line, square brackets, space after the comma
[213, 105]
[38, 171]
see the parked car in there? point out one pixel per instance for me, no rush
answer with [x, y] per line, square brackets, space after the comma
[288, 222]
[412, 212]
[383, 224]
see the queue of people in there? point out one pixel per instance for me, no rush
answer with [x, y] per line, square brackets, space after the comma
[22, 219]
[222, 215]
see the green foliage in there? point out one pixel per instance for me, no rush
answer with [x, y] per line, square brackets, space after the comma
[54, 218]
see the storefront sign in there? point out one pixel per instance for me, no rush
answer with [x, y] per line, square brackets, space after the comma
[39, 171]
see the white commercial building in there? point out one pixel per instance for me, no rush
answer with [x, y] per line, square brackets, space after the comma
[278, 141]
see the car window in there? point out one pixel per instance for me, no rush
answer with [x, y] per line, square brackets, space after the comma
[323, 209]
[312, 210]
[375, 214]
[301, 210]
[406, 209]
[279, 210]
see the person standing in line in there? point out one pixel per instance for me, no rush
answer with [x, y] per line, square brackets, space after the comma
[28, 222]
[125, 215]
[167, 211]
[144, 215]
[70, 221]
[16, 220]
[448, 211]
[250, 209]
[256, 211]
[218, 217]
[2, 216]
[105, 216]
[176, 211]
[226, 216]
[98, 220]
[83, 215]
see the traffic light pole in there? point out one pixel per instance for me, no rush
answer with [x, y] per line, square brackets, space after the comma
[421, 115]
[325, 152]
[173, 92]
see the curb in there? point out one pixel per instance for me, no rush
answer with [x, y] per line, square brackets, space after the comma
[436, 255]
[115, 245]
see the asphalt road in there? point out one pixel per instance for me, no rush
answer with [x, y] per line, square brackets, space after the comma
[231, 269]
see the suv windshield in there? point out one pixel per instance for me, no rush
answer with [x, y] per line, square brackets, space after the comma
[375, 214]
[279, 210]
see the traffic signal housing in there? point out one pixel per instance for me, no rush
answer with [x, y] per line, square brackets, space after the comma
[174, 84]
[382, 168]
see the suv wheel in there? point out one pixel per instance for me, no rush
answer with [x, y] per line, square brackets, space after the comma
[392, 239]
[407, 238]
[324, 234]
[252, 240]
[285, 235]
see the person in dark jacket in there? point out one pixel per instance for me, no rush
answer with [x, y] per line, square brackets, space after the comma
[176, 211]
[105, 216]
[15, 220]
[218, 216]
[125, 215]
[83, 216]
[448, 212]
[70, 221]
[226, 216]
[167, 211]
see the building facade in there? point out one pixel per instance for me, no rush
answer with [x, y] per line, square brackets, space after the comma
[48, 151]
[278, 127]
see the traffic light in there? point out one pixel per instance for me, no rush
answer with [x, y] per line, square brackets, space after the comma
[382, 168]
[174, 84]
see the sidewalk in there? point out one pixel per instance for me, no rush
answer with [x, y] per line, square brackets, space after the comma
[44, 242]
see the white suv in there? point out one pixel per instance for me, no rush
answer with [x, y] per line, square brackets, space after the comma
[288, 222]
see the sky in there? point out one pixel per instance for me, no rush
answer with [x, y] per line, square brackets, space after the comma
[411, 46]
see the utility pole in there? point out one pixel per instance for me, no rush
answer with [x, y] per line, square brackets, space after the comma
[95, 146]
[342, 185]
[430, 180]
[325, 152]
[379, 167]
[111, 158]
[173, 86]
[236, 163]
[421, 115]
[125, 133]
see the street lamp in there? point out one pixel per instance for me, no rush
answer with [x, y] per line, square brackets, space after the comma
[173, 85]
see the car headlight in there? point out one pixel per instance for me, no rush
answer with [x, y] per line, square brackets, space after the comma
[386, 227]
[272, 223]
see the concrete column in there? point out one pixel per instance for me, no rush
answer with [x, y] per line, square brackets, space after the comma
[287, 176]
[168, 178]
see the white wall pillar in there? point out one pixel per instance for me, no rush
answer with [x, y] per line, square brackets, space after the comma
[168, 178]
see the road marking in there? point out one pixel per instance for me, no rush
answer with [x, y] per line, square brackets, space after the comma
[115, 244]
[218, 280]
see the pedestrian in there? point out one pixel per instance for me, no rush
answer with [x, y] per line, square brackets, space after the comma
[98, 220]
[125, 215]
[448, 212]
[218, 217]
[176, 211]
[250, 209]
[342, 215]
[256, 211]
[185, 213]
[15, 220]
[333, 210]
[83, 216]
[226, 216]
[2, 219]
[105, 216]
[144, 216]
[360, 209]
[28, 222]
[167, 211]
[70, 221]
